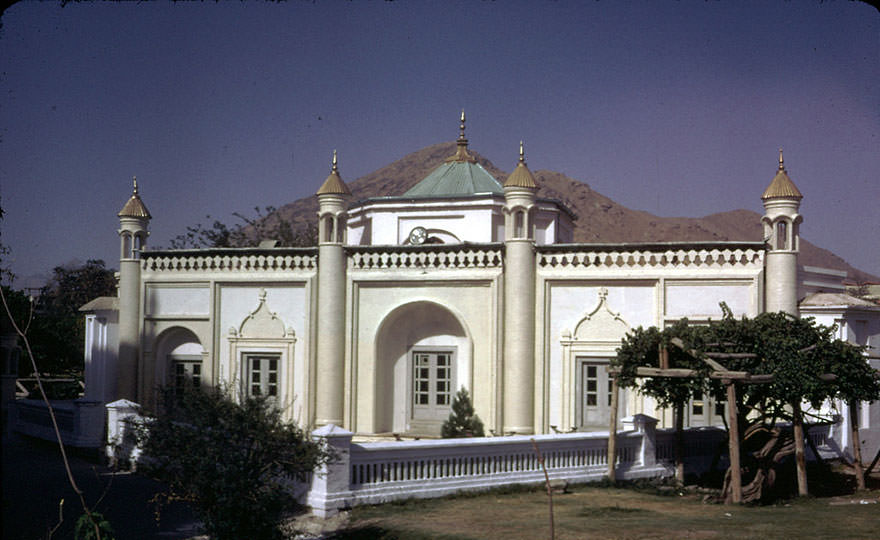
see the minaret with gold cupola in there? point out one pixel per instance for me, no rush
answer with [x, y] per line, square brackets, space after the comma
[519, 300]
[134, 220]
[781, 221]
[333, 199]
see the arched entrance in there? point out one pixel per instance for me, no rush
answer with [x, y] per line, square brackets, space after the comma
[179, 359]
[423, 356]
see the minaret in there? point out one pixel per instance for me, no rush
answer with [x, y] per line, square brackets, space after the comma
[519, 300]
[781, 222]
[134, 219]
[333, 200]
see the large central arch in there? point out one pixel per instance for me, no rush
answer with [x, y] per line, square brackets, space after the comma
[433, 333]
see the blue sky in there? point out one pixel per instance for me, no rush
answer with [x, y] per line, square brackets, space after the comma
[675, 108]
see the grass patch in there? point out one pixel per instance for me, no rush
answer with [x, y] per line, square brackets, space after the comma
[612, 512]
[606, 511]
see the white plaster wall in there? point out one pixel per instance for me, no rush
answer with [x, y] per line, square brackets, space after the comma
[699, 300]
[101, 345]
[291, 305]
[170, 300]
[474, 306]
[569, 302]
[467, 226]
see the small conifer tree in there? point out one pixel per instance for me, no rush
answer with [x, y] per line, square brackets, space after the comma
[462, 421]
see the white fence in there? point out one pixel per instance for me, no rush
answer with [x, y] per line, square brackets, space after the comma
[379, 472]
[370, 473]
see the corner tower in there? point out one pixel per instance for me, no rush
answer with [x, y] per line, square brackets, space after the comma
[134, 220]
[333, 198]
[519, 300]
[781, 221]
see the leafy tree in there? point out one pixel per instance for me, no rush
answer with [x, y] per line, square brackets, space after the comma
[266, 225]
[230, 458]
[57, 330]
[796, 352]
[462, 421]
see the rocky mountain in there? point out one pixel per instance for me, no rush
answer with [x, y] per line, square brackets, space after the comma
[600, 219]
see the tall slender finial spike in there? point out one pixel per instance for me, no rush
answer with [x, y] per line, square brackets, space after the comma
[461, 127]
[134, 181]
[781, 163]
[334, 169]
[522, 155]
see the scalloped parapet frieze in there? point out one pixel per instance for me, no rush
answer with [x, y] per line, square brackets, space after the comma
[228, 263]
[675, 258]
[458, 257]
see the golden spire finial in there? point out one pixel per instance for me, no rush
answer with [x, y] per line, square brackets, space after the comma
[522, 155]
[134, 181]
[781, 163]
[461, 127]
[334, 169]
[461, 152]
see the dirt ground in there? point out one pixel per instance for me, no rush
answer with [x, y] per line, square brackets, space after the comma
[600, 513]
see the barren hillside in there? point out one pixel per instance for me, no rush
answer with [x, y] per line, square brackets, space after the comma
[600, 219]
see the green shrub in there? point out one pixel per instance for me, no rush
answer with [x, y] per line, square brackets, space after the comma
[231, 459]
[84, 529]
[462, 421]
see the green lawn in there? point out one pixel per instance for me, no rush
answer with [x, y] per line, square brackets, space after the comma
[597, 512]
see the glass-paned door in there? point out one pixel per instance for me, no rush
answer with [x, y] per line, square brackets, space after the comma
[261, 372]
[594, 394]
[187, 374]
[432, 384]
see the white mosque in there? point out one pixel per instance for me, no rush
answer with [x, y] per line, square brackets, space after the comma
[459, 282]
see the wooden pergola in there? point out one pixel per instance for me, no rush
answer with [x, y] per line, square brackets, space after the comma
[729, 379]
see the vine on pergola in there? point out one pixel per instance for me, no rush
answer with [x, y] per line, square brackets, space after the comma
[787, 360]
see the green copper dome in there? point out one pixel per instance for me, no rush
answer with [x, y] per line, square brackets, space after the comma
[456, 178]
[459, 175]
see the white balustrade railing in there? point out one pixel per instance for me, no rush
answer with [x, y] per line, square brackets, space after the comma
[232, 260]
[426, 257]
[378, 472]
[574, 256]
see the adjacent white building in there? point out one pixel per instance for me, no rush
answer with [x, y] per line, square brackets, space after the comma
[459, 282]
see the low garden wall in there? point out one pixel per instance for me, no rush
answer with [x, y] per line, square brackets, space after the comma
[380, 472]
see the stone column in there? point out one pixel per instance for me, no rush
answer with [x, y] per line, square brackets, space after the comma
[519, 301]
[330, 362]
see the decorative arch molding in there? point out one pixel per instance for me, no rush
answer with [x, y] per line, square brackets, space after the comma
[332, 225]
[597, 335]
[262, 333]
[792, 224]
[418, 325]
[177, 344]
[519, 220]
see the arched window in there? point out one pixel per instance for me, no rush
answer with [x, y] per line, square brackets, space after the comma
[519, 224]
[126, 245]
[339, 227]
[327, 228]
[781, 235]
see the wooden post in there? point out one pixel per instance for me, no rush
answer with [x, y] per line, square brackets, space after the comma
[612, 430]
[678, 413]
[799, 450]
[733, 443]
[549, 488]
[857, 445]
[664, 357]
